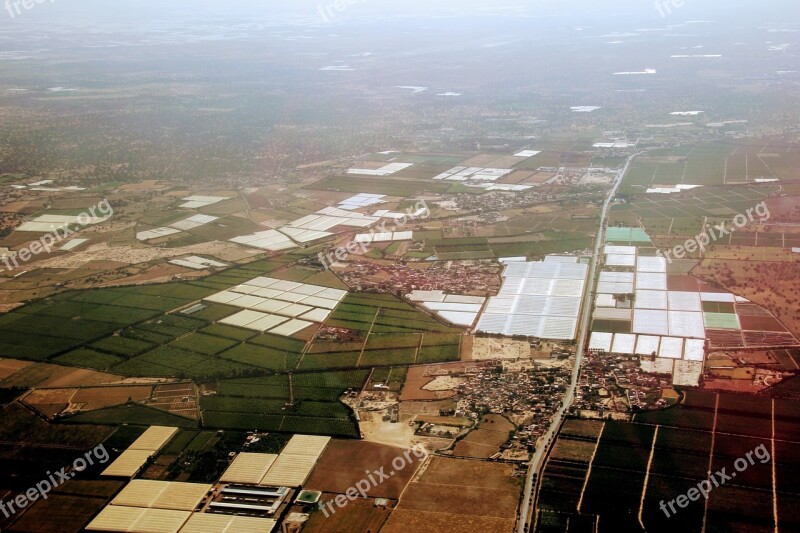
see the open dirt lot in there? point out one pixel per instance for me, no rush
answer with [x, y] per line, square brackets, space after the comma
[419, 376]
[486, 348]
[358, 515]
[47, 375]
[393, 434]
[345, 462]
[457, 495]
[9, 367]
[485, 441]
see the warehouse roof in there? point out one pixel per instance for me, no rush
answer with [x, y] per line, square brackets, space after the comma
[249, 468]
[117, 518]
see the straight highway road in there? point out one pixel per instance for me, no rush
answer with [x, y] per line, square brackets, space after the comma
[537, 462]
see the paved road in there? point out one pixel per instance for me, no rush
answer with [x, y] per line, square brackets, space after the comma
[535, 466]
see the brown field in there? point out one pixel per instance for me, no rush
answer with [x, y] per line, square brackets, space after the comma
[403, 521]
[170, 398]
[485, 441]
[345, 462]
[583, 428]
[505, 162]
[417, 378]
[90, 488]
[46, 400]
[483, 160]
[771, 284]
[62, 513]
[573, 450]
[445, 420]
[47, 375]
[426, 408]
[20, 425]
[358, 515]
[9, 367]
[731, 385]
[99, 397]
[454, 495]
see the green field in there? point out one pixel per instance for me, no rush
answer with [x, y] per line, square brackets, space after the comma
[261, 403]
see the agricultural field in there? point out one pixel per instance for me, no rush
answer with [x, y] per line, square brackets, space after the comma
[486, 499]
[767, 277]
[383, 313]
[344, 461]
[486, 439]
[68, 508]
[359, 515]
[710, 164]
[261, 403]
[662, 454]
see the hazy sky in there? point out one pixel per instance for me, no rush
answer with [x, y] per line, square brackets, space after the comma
[581, 11]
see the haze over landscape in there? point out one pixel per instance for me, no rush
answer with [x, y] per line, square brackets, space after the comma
[362, 265]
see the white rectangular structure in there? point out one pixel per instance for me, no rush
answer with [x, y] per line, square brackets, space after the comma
[459, 318]
[651, 299]
[527, 153]
[624, 343]
[273, 305]
[647, 344]
[686, 324]
[153, 233]
[611, 313]
[609, 287]
[287, 329]
[361, 200]
[651, 264]
[719, 297]
[617, 277]
[619, 250]
[197, 263]
[694, 350]
[193, 222]
[656, 281]
[194, 202]
[242, 318]
[385, 170]
[71, 245]
[671, 348]
[530, 302]
[248, 468]
[620, 260]
[270, 240]
[651, 322]
[601, 341]
[266, 323]
[684, 301]
[605, 300]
